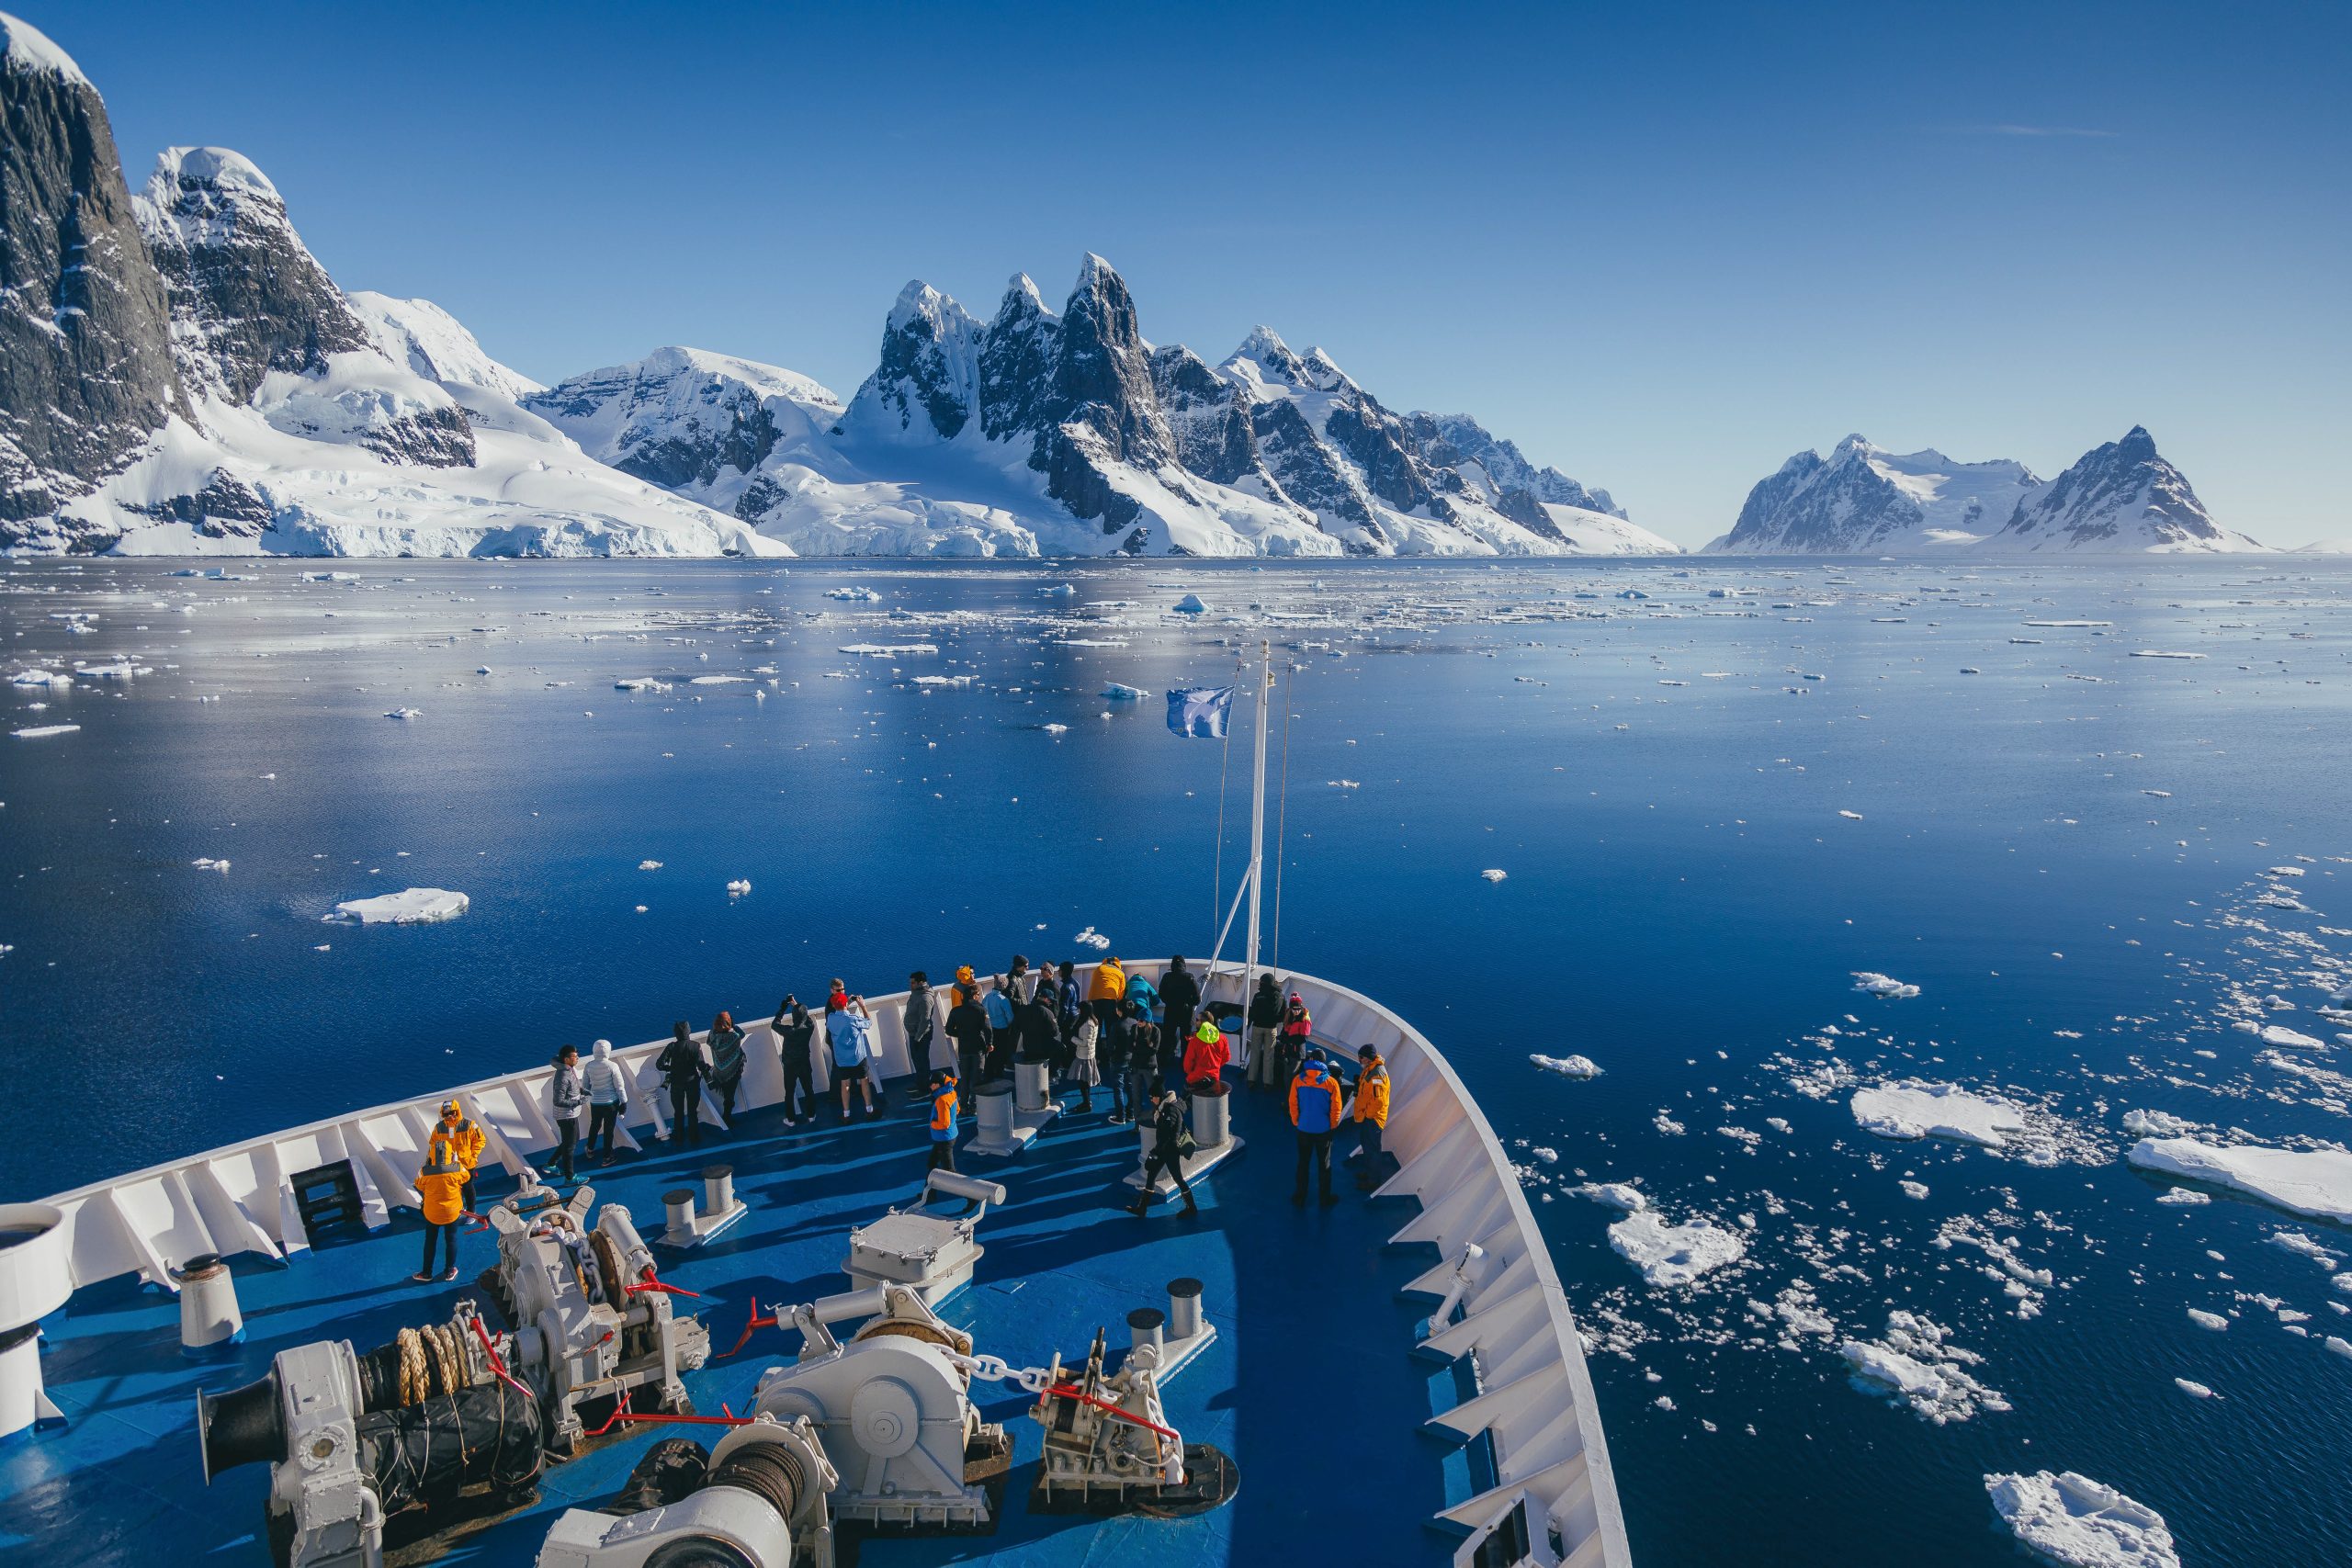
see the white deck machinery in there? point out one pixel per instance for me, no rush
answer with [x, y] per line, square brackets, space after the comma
[355, 1439]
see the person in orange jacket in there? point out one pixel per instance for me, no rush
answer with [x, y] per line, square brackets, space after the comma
[465, 1138]
[1371, 1117]
[944, 1110]
[440, 1190]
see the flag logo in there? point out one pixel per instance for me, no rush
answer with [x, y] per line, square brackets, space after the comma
[1199, 712]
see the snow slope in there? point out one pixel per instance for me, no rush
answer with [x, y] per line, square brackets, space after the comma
[1862, 498]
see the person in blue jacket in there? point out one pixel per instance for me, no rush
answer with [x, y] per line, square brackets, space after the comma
[1315, 1112]
[849, 1031]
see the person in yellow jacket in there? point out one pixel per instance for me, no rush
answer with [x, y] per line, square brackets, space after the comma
[1372, 1118]
[1104, 994]
[464, 1136]
[440, 1189]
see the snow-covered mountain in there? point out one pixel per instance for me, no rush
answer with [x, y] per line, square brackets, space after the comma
[2122, 496]
[1863, 500]
[1046, 433]
[200, 386]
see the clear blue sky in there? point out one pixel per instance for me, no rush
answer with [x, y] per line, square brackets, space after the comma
[1662, 246]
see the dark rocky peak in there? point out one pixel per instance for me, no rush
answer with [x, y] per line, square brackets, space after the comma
[929, 363]
[87, 376]
[247, 296]
[1264, 356]
[1017, 362]
[1208, 418]
[1454, 440]
[1102, 360]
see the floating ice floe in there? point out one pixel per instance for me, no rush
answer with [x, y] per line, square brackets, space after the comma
[1567, 1067]
[890, 649]
[2213, 1321]
[854, 595]
[1917, 1364]
[639, 684]
[2156, 1124]
[1615, 1194]
[1492, 874]
[2072, 1520]
[1849, 816]
[2279, 1035]
[1870, 981]
[405, 713]
[2312, 1182]
[1913, 1109]
[1092, 938]
[40, 678]
[649, 865]
[1056, 728]
[209, 865]
[2161, 653]
[1060, 590]
[410, 906]
[2193, 1388]
[740, 887]
[1674, 1255]
[41, 731]
[957, 682]
[717, 680]
[1912, 1188]
[1117, 692]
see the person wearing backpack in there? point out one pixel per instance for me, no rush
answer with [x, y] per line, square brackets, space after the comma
[1265, 1019]
[1143, 1074]
[724, 1045]
[968, 1026]
[1171, 1141]
[1180, 993]
[684, 1064]
[440, 1188]
[849, 1029]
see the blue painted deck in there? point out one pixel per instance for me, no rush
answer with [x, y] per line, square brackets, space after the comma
[1310, 1386]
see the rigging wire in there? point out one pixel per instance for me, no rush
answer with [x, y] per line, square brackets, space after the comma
[1216, 882]
[1281, 814]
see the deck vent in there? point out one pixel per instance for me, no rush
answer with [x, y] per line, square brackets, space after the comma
[327, 1199]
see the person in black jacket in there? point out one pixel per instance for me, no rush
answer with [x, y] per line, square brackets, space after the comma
[968, 1026]
[793, 1032]
[1169, 1136]
[918, 1021]
[1180, 992]
[684, 1064]
[1039, 1029]
[1265, 1021]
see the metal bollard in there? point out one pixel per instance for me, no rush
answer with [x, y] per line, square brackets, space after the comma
[210, 1317]
[1184, 1308]
[1030, 1081]
[995, 1103]
[680, 1202]
[1212, 1116]
[717, 1189]
[1143, 1329]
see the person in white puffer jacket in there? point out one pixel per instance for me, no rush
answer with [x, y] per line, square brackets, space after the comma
[607, 1092]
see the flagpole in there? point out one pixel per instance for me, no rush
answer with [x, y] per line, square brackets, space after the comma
[1256, 829]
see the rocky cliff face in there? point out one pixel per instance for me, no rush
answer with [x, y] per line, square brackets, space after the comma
[2122, 496]
[257, 320]
[86, 377]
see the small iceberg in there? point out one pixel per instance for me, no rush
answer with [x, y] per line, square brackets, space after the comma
[1494, 875]
[1060, 590]
[410, 906]
[1117, 692]
[854, 595]
[2073, 1520]
[405, 713]
[41, 731]
[740, 887]
[1871, 983]
[1567, 1067]
[1190, 605]
[1916, 1110]
[2316, 1183]
[1674, 1255]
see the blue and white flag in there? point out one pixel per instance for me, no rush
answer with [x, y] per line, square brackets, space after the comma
[1199, 713]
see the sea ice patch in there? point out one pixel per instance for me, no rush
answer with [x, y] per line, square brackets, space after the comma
[410, 906]
[2072, 1520]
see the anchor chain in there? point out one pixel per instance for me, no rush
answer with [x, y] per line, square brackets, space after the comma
[995, 1369]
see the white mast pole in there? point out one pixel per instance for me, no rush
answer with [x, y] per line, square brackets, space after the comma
[1258, 824]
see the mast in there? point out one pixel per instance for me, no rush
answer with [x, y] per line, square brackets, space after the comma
[1258, 820]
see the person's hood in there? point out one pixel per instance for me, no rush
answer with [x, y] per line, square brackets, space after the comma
[604, 1050]
[726, 1021]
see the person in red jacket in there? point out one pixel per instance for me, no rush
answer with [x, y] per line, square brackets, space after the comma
[1205, 1055]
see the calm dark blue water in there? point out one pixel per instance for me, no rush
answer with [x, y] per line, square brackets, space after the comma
[1664, 779]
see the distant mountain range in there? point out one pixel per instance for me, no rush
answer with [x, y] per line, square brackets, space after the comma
[182, 376]
[179, 375]
[1863, 500]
